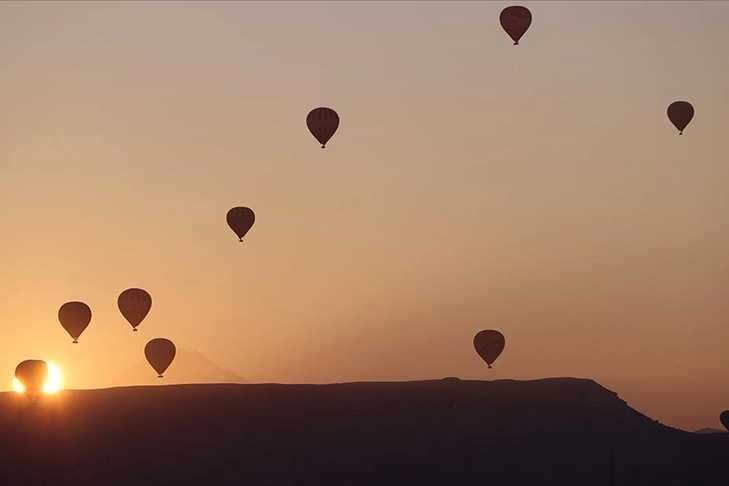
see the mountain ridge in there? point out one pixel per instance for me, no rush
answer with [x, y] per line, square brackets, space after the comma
[188, 367]
[553, 431]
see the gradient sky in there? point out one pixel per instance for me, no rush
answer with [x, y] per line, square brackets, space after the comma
[539, 190]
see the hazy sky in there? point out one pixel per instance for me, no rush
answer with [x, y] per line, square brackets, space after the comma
[536, 189]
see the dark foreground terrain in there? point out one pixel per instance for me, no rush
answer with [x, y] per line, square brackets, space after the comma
[445, 432]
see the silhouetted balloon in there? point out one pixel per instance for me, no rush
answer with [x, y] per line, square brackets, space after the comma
[134, 304]
[240, 220]
[74, 317]
[450, 390]
[489, 344]
[323, 123]
[32, 374]
[159, 353]
[515, 21]
[680, 113]
[724, 417]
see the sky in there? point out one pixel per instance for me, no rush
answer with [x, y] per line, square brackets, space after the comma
[537, 189]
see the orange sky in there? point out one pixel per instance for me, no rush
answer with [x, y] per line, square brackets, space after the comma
[538, 189]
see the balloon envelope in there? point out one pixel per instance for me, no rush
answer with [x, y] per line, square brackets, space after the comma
[515, 21]
[134, 304]
[489, 344]
[240, 220]
[32, 374]
[74, 317]
[450, 388]
[680, 113]
[724, 417]
[323, 123]
[159, 353]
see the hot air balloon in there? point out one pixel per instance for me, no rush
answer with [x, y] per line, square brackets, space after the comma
[159, 353]
[323, 123]
[134, 304]
[724, 417]
[680, 113]
[489, 344]
[32, 374]
[74, 317]
[240, 220]
[450, 390]
[515, 21]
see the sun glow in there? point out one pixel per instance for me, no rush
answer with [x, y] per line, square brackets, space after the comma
[53, 382]
[55, 379]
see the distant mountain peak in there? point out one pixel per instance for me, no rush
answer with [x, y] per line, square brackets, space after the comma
[188, 367]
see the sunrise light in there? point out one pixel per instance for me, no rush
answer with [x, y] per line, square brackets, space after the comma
[55, 379]
[52, 384]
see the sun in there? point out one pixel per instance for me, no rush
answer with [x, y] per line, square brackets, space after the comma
[55, 379]
[53, 382]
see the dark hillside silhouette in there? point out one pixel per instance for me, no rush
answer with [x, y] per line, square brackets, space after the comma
[709, 430]
[440, 432]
